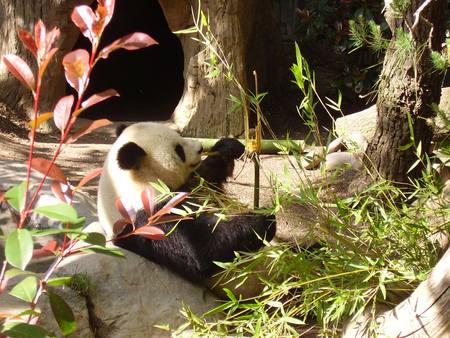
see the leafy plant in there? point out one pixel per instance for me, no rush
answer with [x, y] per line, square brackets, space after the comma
[334, 35]
[19, 247]
[371, 248]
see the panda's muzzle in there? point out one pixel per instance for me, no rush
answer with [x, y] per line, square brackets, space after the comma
[195, 165]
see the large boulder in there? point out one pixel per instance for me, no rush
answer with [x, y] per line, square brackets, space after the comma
[125, 297]
[363, 122]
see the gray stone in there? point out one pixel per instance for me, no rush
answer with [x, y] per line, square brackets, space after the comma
[363, 122]
[127, 297]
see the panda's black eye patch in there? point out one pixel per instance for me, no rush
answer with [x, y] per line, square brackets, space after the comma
[180, 152]
[129, 156]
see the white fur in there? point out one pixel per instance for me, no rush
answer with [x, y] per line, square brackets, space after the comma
[161, 162]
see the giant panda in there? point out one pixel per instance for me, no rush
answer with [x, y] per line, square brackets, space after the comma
[146, 152]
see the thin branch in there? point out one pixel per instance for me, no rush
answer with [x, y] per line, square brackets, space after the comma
[418, 12]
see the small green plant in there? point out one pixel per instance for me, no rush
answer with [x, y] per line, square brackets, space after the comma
[363, 33]
[372, 248]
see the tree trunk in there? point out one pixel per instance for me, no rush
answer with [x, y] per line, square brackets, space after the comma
[16, 14]
[205, 109]
[425, 313]
[408, 87]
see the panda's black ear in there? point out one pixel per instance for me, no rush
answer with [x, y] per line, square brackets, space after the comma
[120, 128]
[129, 156]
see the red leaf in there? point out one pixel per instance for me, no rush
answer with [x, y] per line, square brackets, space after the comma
[46, 250]
[123, 211]
[51, 246]
[150, 232]
[39, 34]
[89, 176]
[46, 61]
[28, 41]
[169, 205]
[61, 113]
[92, 125]
[104, 11]
[2, 196]
[3, 285]
[51, 38]
[42, 165]
[61, 191]
[20, 70]
[131, 41]
[148, 200]
[119, 226]
[84, 18]
[76, 66]
[96, 98]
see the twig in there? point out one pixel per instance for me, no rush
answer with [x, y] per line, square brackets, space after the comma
[418, 12]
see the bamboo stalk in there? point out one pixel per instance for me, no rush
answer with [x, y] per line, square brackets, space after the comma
[267, 146]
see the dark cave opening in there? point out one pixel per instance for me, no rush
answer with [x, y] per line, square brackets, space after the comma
[150, 80]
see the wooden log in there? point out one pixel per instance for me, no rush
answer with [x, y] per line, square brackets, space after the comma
[426, 313]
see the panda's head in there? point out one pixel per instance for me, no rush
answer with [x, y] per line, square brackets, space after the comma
[150, 151]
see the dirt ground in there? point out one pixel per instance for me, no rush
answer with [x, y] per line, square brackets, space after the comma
[76, 159]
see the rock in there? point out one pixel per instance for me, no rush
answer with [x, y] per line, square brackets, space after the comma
[12, 173]
[126, 298]
[363, 122]
[356, 143]
[337, 160]
[313, 158]
[441, 121]
[336, 145]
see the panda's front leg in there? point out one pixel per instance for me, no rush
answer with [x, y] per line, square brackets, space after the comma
[219, 164]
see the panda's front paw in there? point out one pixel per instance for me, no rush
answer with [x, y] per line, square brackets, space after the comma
[229, 148]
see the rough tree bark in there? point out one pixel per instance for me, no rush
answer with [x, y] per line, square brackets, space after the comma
[243, 29]
[24, 14]
[408, 84]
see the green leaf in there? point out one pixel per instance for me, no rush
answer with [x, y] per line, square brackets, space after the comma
[95, 238]
[292, 320]
[26, 289]
[48, 232]
[16, 196]
[60, 212]
[106, 251]
[22, 330]
[63, 313]
[13, 272]
[59, 281]
[19, 248]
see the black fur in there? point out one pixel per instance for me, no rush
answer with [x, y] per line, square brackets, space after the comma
[180, 152]
[215, 169]
[120, 128]
[191, 249]
[129, 156]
